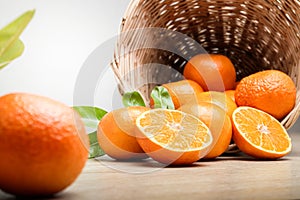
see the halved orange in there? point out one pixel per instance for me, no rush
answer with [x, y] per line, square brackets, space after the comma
[260, 135]
[172, 136]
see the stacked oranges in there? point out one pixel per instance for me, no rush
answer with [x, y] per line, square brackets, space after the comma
[211, 109]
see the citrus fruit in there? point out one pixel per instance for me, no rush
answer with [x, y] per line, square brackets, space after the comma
[116, 133]
[216, 119]
[182, 91]
[258, 134]
[211, 71]
[230, 94]
[271, 91]
[173, 137]
[43, 145]
[220, 99]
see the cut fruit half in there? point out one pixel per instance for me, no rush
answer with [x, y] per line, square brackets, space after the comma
[258, 134]
[172, 136]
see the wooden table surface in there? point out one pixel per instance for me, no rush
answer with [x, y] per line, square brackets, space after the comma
[238, 177]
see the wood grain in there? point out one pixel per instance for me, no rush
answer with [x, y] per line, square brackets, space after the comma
[229, 177]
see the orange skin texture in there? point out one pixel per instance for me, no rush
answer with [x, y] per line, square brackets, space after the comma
[271, 91]
[43, 145]
[212, 72]
[116, 133]
[181, 92]
[219, 123]
[220, 99]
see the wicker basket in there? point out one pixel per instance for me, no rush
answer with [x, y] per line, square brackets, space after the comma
[256, 35]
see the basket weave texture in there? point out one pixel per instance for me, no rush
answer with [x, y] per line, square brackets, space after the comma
[255, 34]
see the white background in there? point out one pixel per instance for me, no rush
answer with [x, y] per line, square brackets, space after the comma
[59, 39]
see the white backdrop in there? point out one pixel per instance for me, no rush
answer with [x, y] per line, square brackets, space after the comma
[57, 41]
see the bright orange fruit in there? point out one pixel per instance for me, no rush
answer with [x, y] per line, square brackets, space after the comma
[211, 71]
[220, 99]
[230, 94]
[216, 119]
[116, 133]
[173, 137]
[260, 135]
[182, 91]
[43, 145]
[271, 91]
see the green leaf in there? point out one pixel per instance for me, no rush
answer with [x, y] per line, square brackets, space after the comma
[133, 99]
[91, 117]
[161, 98]
[95, 149]
[12, 53]
[10, 45]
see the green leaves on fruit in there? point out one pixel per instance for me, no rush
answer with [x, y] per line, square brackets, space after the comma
[162, 98]
[133, 99]
[91, 117]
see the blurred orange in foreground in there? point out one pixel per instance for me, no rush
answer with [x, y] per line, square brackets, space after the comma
[43, 145]
[260, 135]
[116, 133]
[173, 137]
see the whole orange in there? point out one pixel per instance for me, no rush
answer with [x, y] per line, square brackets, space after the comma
[43, 145]
[271, 91]
[216, 119]
[116, 133]
[211, 71]
[220, 99]
[182, 92]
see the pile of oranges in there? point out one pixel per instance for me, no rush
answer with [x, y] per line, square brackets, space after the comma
[49, 141]
[211, 109]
